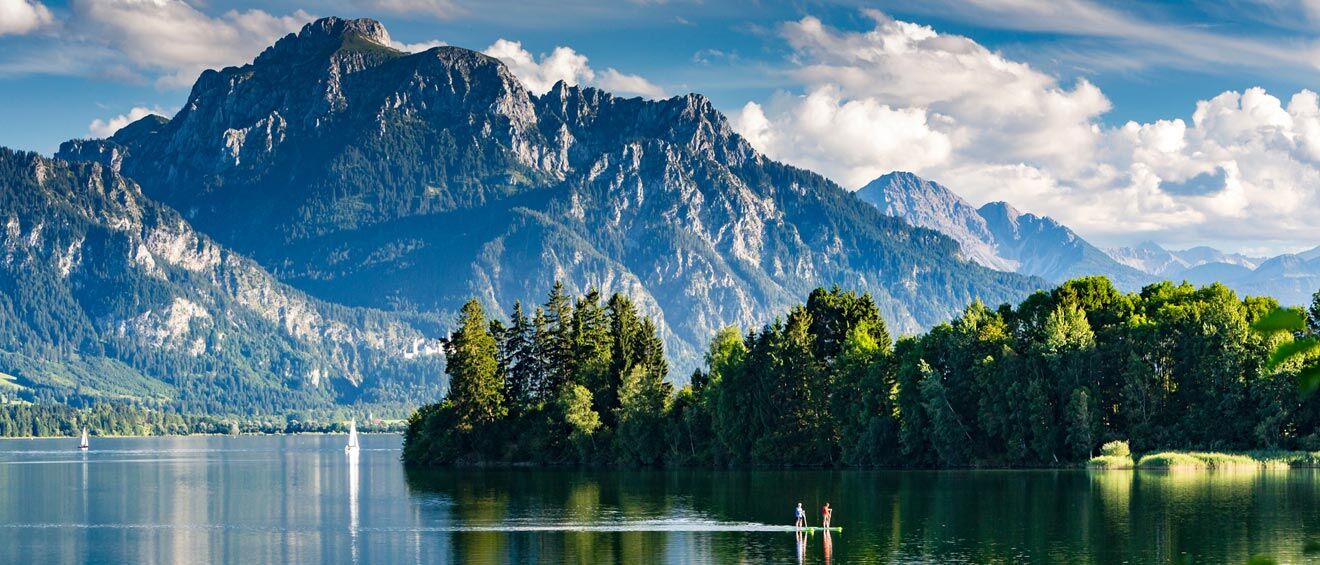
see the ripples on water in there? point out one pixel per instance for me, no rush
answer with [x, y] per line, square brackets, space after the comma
[302, 499]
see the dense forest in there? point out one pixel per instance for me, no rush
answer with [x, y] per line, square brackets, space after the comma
[1043, 383]
[22, 419]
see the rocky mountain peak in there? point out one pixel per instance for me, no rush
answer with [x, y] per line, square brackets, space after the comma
[1149, 246]
[1000, 210]
[325, 36]
[996, 235]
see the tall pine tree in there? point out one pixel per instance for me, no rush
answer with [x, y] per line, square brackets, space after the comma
[476, 392]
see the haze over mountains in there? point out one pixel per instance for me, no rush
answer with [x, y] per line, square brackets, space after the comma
[998, 236]
[385, 187]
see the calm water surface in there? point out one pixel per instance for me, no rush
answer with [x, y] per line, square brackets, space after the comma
[301, 499]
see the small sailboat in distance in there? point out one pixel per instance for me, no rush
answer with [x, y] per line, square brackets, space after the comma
[352, 446]
[82, 444]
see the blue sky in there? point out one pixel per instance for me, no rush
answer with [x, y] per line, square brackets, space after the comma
[1068, 108]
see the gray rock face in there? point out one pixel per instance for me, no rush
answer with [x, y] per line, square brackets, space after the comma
[95, 275]
[923, 203]
[370, 177]
[997, 235]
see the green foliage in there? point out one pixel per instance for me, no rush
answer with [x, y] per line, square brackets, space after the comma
[1288, 350]
[1198, 460]
[1040, 384]
[574, 404]
[476, 386]
[1116, 448]
[1302, 349]
[124, 418]
[643, 405]
[1281, 320]
[578, 382]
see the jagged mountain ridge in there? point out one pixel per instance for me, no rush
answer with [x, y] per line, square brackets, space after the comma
[371, 177]
[1291, 277]
[996, 234]
[1150, 257]
[109, 295]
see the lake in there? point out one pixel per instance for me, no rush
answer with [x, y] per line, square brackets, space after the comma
[301, 499]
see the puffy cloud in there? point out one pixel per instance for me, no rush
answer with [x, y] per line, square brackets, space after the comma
[1244, 172]
[540, 75]
[850, 141]
[620, 83]
[417, 47]
[23, 16]
[173, 37]
[108, 127]
[1006, 106]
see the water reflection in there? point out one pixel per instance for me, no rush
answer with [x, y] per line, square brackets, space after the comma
[975, 516]
[353, 508]
[303, 500]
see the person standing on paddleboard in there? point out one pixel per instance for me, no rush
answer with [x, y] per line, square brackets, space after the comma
[799, 517]
[825, 514]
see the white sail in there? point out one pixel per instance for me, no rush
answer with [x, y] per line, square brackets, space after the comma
[352, 436]
[82, 444]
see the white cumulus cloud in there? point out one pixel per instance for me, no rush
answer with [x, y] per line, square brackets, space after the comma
[19, 17]
[620, 83]
[1244, 172]
[108, 126]
[417, 47]
[539, 74]
[174, 39]
[842, 139]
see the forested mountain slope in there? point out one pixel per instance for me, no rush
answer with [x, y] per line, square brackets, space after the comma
[105, 294]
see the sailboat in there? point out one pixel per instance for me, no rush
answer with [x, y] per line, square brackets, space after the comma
[352, 446]
[82, 444]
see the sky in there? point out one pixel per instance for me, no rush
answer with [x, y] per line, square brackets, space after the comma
[1184, 123]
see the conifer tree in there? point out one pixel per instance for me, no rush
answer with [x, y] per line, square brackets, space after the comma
[475, 389]
[591, 354]
[557, 340]
[521, 360]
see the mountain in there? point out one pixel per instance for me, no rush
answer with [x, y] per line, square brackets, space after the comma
[1150, 258]
[997, 235]
[1290, 278]
[370, 177]
[923, 203]
[108, 295]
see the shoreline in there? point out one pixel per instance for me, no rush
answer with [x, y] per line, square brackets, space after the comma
[1208, 461]
[244, 434]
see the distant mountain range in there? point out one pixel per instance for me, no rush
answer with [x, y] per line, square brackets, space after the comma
[338, 200]
[998, 236]
[1291, 278]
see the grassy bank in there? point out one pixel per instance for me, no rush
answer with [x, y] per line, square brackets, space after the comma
[1119, 458]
